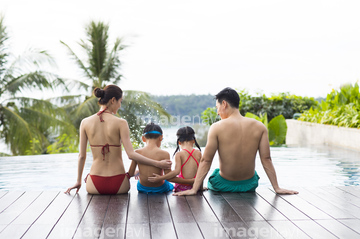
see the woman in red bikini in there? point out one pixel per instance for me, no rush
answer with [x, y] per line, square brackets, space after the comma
[186, 161]
[105, 133]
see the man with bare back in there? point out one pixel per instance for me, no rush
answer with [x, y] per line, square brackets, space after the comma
[237, 140]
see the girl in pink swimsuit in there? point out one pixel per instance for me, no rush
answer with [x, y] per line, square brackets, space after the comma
[186, 161]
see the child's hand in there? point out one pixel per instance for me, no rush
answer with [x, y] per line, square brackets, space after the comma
[137, 175]
[155, 178]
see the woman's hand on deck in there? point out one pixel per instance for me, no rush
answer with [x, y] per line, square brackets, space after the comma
[154, 178]
[165, 164]
[77, 186]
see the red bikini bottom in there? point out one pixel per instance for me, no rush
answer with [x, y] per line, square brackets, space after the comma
[108, 185]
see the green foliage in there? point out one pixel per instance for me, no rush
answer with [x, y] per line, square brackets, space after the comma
[63, 144]
[210, 116]
[26, 123]
[281, 104]
[277, 128]
[180, 105]
[341, 108]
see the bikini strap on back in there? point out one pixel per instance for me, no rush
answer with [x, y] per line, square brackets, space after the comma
[100, 114]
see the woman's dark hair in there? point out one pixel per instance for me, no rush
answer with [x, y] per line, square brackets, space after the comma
[152, 131]
[229, 95]
[108, 93]
[185, 134]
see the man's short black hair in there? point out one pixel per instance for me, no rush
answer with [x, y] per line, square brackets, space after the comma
[229, 95]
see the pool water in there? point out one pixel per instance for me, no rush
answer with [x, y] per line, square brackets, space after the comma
[295, 166]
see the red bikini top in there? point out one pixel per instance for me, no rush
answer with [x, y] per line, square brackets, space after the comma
[106, 147]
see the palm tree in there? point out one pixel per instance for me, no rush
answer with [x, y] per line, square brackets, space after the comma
[27, 123]
[102, 67]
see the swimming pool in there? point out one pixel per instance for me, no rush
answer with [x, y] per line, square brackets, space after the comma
[295, 166]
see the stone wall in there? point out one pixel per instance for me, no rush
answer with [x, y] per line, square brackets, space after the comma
[306, 133]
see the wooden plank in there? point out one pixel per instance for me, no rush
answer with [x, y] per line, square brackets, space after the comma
[2, 193]
[221, 208]
[354, 190]
[313, 229]
[348, 197]
[115, 219]
[288, 229]
[212, 230]
[354, 224]
[138, 208]
[233, 224]
[184, 221]
[310, 210]
[342, 200]
[284, 207]
[9, 198]
[139, 230]
[71, 218]
[205, 218]
[338, 229]
[138, 220]
[44, 224]
[257, 209]
[242, 208]
[17, 207]
[22, 223]
[161, 224]
[262, 230]
[311, 196]
[92, 221]
[267, 211]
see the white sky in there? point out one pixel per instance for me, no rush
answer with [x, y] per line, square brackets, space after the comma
[303, 47]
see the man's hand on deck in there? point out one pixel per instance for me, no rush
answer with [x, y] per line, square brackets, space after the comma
[285, 191]
[186, 193]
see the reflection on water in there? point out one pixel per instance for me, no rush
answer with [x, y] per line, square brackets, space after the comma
[295, 167]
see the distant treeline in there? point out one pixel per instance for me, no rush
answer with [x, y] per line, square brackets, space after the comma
[180, 105]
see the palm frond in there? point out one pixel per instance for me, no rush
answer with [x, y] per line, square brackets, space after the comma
[83, 110]
[111, 69]
[3, 38]
[30, 80]
[78, 61]
[66, 99]
[16, 131]
[97, 34]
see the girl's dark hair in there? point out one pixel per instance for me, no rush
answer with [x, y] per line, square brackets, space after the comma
[152, 131]
[108, 93]
[229, 95]
[185, 134]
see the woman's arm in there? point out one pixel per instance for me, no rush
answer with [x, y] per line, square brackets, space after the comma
[182, 180]
[81, 159]
[132, 168]
[125, 138]
[168, 173]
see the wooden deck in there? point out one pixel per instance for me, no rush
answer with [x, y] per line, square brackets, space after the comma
[330, 212]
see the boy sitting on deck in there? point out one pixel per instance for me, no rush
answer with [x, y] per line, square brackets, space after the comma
[152, 137]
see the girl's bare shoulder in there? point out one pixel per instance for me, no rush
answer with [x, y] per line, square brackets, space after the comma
[197, 154]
